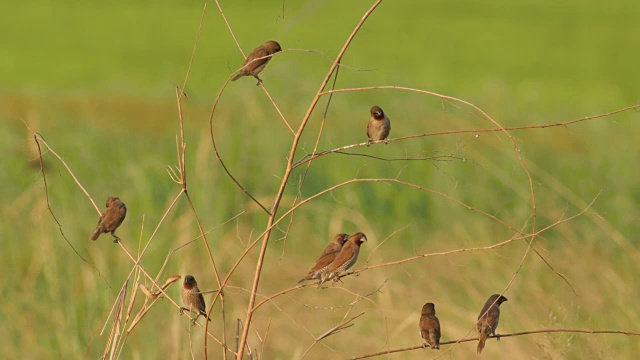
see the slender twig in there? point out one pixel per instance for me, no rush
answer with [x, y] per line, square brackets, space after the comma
[287, 174]
[285, 179]
[311, 157]
[219, 157]
[161, 290]
[263, 341]
[230, 30]
[422, 346]
[276, 106]
[37, 137]
[334, 330]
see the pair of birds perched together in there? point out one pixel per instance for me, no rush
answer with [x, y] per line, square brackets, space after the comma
[378, 127]
[487, 322]
[341, 253]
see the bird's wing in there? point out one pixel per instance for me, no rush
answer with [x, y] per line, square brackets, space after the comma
[347, 253]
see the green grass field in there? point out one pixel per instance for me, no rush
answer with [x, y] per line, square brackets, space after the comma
[98, 82]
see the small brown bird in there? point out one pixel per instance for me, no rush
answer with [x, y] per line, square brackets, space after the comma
[112, 218]
[192, 297]
[346, 258]
[379, 126]
[252, 66]
[430, 326]
[488, 319]
[328, 255]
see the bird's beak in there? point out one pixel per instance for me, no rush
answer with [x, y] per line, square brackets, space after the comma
[378, 113]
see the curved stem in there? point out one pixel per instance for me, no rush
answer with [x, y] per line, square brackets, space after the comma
[285, 179]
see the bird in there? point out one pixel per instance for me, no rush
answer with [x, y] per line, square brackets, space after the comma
[112, 218]
[430, 326]
[252, 66]
[330, 252]
[488, 319]
[346, 258]
[192, 298]
[379, 126]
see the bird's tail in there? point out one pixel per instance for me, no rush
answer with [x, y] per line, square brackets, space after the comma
[324, 277]
[205, 315]
[240, 74]
[483, 339]
[310, 276]
[433, 342]
[95, 235]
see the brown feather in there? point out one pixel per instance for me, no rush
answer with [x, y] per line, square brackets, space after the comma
[111, 219]
[346, 258]
[256, 61]
[192, 297]
[379, 125]
[326, 258]
[430, 326]
[488, 319]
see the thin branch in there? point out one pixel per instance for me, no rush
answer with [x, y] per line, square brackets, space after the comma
[276, 105]
[422, 346]
[37, 137]
[287, 174]
[193, 52]
[219, 157]
[161, 290]
[230, 29]
[334, 330]
[311, 157]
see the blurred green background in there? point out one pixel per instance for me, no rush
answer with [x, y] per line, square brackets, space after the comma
[97, 80]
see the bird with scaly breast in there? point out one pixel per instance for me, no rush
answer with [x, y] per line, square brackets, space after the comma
[112, 217]
[193, 299]
[379, 126]
[257, 60]
[489, 318]
[430, 326]
[346, 258]
[326, 258]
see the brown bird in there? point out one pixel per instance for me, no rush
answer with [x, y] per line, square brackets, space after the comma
[112, 218]
[192, 298]
[346, 258]
[430, 326]
[488, 319]
[328, 255]
[256, 61]
[379, 126]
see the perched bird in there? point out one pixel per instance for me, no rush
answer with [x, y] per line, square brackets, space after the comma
[430, 326]
[488, 319]
[112, 218]
[252, 66]
[330, 252]
[346, 258]
[379, 126]
[192, 298]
